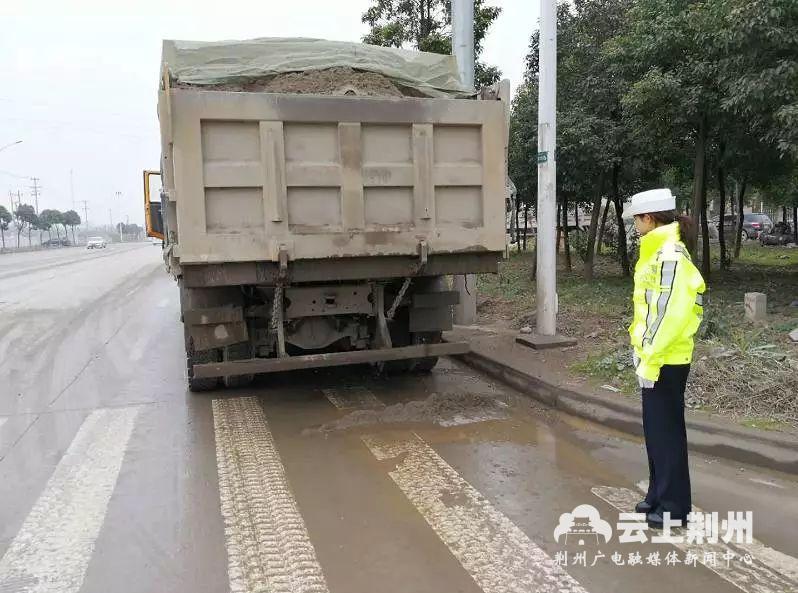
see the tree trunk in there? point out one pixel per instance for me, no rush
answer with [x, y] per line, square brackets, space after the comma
[623, 253]
[517, 226]
[706, 267]
[699, 168]
[591, 233]
[795, 224]
[576, 216]
[722, 200]
[784, 214]
[526, 223]
[738, 232]
[565, 242]
[3, 235]
[600, 237]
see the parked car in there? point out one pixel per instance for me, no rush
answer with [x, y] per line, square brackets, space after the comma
[753, 224]
[95, 243]
[56, 243]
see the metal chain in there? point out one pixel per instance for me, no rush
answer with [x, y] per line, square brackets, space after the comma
[276, 305]
[389, 315]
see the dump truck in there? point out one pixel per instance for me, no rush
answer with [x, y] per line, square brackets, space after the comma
[315, 198]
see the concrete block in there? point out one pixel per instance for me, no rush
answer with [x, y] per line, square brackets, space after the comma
[539, 342]
[794, 335]
[756, 306]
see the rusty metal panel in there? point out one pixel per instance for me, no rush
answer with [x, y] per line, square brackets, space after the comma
[290, 363]
[314, 301]
[428, 300]
[333, 177]
[428, 320]
[213, 315]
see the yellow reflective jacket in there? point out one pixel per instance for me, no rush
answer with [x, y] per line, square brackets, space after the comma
[668, 302]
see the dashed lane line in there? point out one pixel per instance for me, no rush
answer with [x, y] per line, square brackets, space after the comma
[52, 549]
[352, 398]
[495, 552]
[763, 575]
[268, 546]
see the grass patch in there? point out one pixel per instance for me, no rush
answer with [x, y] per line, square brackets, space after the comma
[613, 367]
[763, 424]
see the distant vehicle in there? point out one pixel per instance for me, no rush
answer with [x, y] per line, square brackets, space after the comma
[95, 243]
[56, 243]
[753, 224]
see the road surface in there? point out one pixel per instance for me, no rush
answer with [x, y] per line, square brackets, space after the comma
[113, 478]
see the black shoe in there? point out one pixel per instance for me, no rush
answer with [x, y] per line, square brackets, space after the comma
[656, 520]
[643, 508]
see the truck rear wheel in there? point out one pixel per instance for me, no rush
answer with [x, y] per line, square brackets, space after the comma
[196, 384]
[237, 352]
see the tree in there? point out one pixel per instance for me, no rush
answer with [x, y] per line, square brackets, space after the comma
[425, 25]
[5, 220]
[71, 219]
[25, 218]
[48, 219]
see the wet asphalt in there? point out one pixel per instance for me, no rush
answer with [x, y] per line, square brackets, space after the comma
[113, 477]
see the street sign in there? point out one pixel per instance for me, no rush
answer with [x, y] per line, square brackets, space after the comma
[543, 157]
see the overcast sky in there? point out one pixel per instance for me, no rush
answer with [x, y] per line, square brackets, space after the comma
[78, 84]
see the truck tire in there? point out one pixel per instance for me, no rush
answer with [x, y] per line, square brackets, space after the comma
[237, 352]
[197, 384]
[425, 365]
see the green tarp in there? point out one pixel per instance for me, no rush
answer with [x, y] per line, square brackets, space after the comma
[221, 62]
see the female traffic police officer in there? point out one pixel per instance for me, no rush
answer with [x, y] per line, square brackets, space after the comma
[668, 306]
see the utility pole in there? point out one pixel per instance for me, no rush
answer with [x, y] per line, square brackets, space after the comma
[35, 190]
[86, 217]
[118, 195]
[546, 319]
[463, 49]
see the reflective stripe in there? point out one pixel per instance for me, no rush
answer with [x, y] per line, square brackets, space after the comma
[668, 274]
[699, 299]
[650, 314]
[683, 251]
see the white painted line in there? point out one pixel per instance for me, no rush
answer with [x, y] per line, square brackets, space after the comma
[785, 564]
[767, 483]
[765, 575]
[268, 546]
[53, 548]
[352, 398]
[494, 551]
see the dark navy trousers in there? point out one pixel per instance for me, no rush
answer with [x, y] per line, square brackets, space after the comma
[666, 442]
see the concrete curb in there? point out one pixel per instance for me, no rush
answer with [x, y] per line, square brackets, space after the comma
[711, 438]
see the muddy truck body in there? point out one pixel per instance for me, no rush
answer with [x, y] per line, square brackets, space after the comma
[310, 230]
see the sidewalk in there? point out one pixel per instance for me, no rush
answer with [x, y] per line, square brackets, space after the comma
[543, 376]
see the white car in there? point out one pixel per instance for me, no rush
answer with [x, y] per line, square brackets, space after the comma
[95, 243]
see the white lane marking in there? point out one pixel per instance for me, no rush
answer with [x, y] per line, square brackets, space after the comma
[494, 551]
[784, 563]
[352, 398]
[759, 577]
[767, 483]
[268, 546]
[53, 548]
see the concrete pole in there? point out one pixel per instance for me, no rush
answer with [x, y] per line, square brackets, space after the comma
[463, 49]
[546, 319]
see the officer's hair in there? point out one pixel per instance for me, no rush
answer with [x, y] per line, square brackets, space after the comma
[686, 227]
